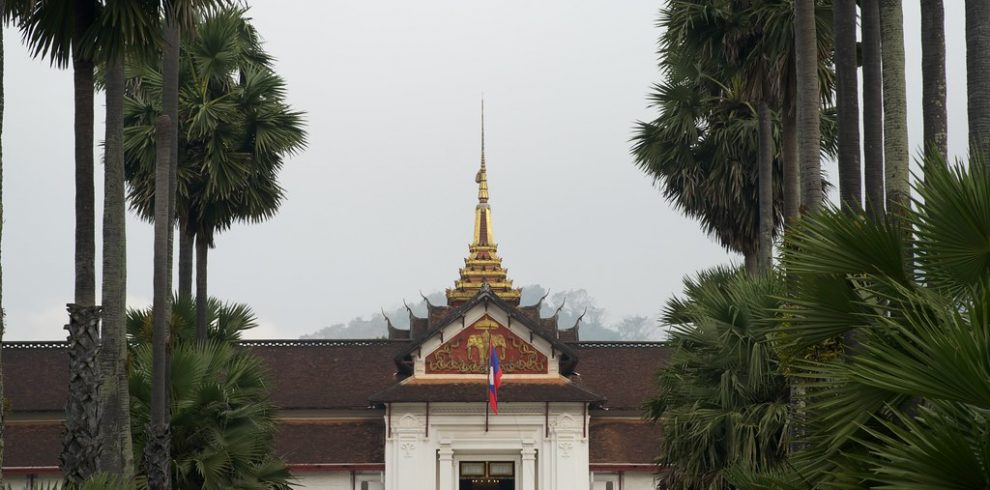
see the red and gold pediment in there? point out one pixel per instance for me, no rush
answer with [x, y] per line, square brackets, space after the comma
[467, 352]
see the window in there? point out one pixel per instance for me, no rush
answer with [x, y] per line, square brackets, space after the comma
[605, 481]
[368, 481]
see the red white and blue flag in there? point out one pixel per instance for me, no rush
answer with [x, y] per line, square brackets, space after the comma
[494, 378]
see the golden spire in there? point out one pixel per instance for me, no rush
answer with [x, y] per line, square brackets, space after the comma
[483, 265]
[482, 177]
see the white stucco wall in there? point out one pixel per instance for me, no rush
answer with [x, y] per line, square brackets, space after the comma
[342, 480]
[415, 460]
[622, 481]
[25, 482]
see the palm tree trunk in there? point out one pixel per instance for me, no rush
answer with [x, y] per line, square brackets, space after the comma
[895, 148]
[158, 439]
[792, 172]
[83, 89]
[873, 110]
[808, 104]
[170, 107]
[765, 183]
[933, 77]
[202, 298]
[185, 262]
[80, 441]
[847, 103]
[115, 429]
[751, 261]
[978, 77]
[157, 459]
[3, 7]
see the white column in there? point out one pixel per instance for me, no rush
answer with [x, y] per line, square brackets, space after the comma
[446, 457]
[528, 471]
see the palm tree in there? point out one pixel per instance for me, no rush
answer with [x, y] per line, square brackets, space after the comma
[872, 110]
[226, 320]
[721, 399]
[123, 31]
[63, 31]
[722, 75]
[978, 76]
[933, 76]
[235, 131]
[808, 96]
[222, 419]
[701, 150]
[157, 437]
[847, 103]
[910, 405]
[895, 147]
[176, 13]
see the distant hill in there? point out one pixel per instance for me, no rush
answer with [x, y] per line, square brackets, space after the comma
[572, 304]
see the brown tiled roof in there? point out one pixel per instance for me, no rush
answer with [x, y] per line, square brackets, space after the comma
[345, 375]
[32, 444]
[621, 441]
[518, 390]
[341, 441]
[36, 376]
[327, 374]
[622, 371]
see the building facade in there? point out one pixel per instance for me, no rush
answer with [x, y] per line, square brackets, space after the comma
[411, 412]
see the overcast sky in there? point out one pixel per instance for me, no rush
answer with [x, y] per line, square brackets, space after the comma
[380, 206]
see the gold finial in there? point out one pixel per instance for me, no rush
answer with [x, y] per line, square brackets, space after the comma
[483, 267]
[482, 177]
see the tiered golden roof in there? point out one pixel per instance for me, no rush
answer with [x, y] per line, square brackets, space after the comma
[483, 265]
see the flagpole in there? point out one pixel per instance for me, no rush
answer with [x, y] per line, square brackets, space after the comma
[488, 379]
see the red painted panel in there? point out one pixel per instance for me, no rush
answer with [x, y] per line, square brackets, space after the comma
[467, 352]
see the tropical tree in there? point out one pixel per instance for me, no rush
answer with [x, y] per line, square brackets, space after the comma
[722, 399]
[847, 103]
[873, 174]
[908, 406]
[87, 33]
[222, 419]
[978, 77]
[895, 140]
[176, 14]
[157, 437]
[933, 77]
[227, 321]
[62, 32]
[235, 132]
[807, 109]
[124, 31]
[705, 148]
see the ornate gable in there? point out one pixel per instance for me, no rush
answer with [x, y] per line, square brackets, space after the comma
[450, 346]
[467, 351]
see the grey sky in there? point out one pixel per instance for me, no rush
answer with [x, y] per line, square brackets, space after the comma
[381, 204]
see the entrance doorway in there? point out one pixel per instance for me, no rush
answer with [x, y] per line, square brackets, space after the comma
[487, 475]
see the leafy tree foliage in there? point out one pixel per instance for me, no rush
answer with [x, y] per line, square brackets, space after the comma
[722, 398]
[226, 320]
[907, 405]
[222, 419]
[702, 148]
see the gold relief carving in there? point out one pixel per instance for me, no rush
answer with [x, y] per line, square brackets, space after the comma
[467, 352]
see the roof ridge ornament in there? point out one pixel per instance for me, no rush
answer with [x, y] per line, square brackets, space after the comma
[483, 266]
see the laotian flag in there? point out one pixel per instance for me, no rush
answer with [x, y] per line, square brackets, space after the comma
[494, 378]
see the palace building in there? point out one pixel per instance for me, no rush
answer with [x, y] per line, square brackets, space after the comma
[411, 412]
